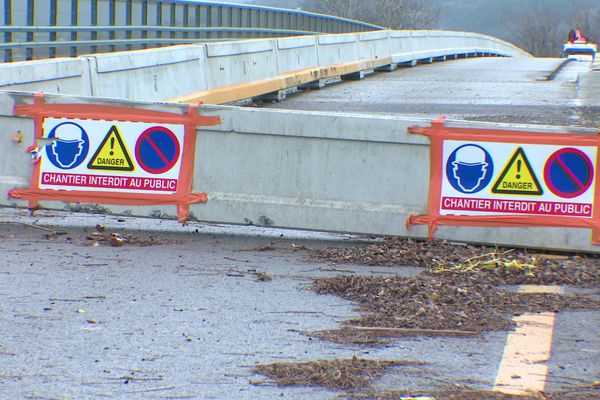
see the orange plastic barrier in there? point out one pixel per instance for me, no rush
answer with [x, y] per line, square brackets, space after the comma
[122, 187]
[499, 178]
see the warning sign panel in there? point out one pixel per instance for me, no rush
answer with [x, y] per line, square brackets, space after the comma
[497, 178]
[112, 154]
[97, 155]
[517, 177]
[107, 154]
[493, 178]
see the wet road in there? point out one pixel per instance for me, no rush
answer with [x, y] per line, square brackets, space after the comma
[188, 318]
[489, 89]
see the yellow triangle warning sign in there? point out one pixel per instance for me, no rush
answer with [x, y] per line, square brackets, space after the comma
[518, 177]
[112, 154]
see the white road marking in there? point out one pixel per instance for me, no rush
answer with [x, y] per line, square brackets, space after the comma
[521, 370]
[540, 289]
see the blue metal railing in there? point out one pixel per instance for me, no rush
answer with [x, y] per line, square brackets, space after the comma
[33, 29]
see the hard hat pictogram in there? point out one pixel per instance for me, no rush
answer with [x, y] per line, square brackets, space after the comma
[70, 147]
[469, 168]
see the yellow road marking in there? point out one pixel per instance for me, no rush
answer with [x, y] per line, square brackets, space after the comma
[245, 90]
[521, 371]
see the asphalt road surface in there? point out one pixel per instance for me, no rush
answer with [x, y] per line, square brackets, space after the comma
[515, 90]
[187, 317]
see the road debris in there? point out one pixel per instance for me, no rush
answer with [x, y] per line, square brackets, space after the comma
[429, 303]
[345, 374]
[99, 236]
[51, 232]
[379, 336]
[262, 276]
[495, 265]
[412, 331]
[458, 291]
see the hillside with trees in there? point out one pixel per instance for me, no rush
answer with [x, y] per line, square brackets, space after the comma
[538, 26]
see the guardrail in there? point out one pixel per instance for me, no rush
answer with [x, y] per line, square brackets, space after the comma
[66, 28]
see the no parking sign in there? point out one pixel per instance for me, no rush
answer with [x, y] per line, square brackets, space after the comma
[569, 172]
[157, 150]
[482, 177]
[113, 155]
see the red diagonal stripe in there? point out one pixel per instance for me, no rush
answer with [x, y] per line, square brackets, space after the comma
[157, 150]
[570, 173]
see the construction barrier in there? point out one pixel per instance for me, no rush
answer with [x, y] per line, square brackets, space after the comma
[298, 169]
[500, 178]
[112, 155]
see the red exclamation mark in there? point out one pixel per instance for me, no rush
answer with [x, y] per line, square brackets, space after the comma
[112, 146]
[518, 169]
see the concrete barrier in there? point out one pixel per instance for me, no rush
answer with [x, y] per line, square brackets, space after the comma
[374, 45]
[231, 63]
[338, 49]
[222, 72]
[295, 169]
[349, 56]
[297, 53]
[151, 75]
[59, 75]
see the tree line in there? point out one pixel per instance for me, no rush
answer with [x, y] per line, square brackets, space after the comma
[539, 27]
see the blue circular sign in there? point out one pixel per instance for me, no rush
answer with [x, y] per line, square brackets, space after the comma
[70, 147]
[569, 172]
[469, 168]
[157, 150]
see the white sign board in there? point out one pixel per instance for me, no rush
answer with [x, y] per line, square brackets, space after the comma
[489, 178]
[112, 156]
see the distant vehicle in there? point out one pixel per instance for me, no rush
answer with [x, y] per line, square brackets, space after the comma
[578, 48]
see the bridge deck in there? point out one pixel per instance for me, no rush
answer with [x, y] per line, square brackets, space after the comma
[512, 90]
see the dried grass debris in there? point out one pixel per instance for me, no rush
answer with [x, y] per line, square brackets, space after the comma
[115, 239]
[341, 374]
[492, 265]
[434, 303]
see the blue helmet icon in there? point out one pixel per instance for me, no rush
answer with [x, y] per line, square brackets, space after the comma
[70, 147]
[469, 168]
